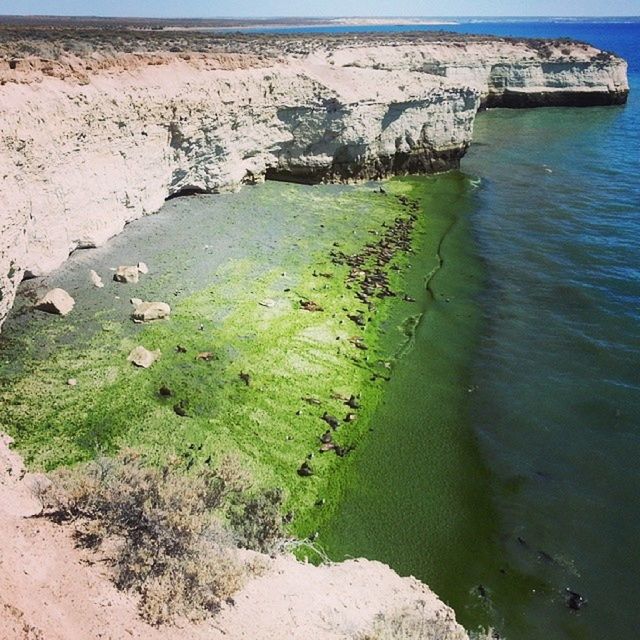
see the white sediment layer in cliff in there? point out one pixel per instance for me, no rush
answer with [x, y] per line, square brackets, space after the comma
[79, 160]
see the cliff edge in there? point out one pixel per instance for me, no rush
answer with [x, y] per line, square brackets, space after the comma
[50, 588]
[96, 132]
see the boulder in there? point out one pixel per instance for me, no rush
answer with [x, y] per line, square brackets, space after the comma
[126, 274]
[96, 279]
[142, 357]
[142, 267]
[56, 301]
[135, 301]
[147, 311]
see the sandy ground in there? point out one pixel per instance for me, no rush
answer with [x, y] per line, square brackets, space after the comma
[51, 590]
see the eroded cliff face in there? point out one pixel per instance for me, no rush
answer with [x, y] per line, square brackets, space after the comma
[88, 145]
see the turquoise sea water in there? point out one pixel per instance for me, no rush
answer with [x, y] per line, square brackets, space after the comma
[552, 202]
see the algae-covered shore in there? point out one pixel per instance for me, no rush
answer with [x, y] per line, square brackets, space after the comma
[377, 376]
[237, 270]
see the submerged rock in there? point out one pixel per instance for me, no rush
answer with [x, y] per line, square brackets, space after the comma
[148, 311]
[142, 357]
[129, 275]
[56, 301]
[574, 600]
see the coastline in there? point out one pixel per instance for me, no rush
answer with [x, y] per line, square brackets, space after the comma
[448, 533]
[269, 435]
[287, 351]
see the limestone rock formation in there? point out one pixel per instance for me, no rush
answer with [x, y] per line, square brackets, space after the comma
[89, 143]
[56, 301]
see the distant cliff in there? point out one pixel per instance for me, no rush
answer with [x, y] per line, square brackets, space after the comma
[92, 141]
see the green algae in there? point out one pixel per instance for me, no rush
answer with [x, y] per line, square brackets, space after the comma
[288, 353]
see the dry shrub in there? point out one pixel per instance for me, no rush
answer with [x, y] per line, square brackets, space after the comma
[164, 528]
[257, 520]
[415, 623]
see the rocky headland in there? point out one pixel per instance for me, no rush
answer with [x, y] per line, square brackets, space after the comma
[100, 126]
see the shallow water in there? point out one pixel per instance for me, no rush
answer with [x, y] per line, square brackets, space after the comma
[555, 401]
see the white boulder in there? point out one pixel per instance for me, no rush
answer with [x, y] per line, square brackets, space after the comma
[126, 274]
[96, 279]
[142, 357]
[147, 311]
[56, 301]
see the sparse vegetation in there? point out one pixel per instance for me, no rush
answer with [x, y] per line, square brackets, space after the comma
[414, 623]
[52, 38]
[164, 529]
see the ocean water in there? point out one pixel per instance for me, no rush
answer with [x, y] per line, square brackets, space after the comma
[557, 406]
[530, 485]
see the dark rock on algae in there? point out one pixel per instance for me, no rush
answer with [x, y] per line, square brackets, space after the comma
[332, 421]
[305, 470]
[353, 402]
[180, 410]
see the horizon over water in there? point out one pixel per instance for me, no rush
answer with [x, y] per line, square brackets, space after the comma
[554, 407]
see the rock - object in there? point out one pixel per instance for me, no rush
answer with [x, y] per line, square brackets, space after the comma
[96, 279]
[121, 136]
[56, 301]
[129, 275]
[142, 357]
[142, 267]
[148, 311]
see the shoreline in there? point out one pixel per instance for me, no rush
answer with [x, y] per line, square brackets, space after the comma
[337, 22]
[318, 501]
[420, 483]
[270, 366]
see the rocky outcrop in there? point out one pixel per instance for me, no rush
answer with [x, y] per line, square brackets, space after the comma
[90, 143]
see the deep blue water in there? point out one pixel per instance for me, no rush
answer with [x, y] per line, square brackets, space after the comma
[557, 410]
[556, 396]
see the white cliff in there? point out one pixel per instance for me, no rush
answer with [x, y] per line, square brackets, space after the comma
[90, 143]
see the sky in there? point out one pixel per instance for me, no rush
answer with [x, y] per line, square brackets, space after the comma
[265, 8]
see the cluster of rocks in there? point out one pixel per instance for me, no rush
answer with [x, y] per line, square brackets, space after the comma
[58, 301]
[368, 276]
[327, 442]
